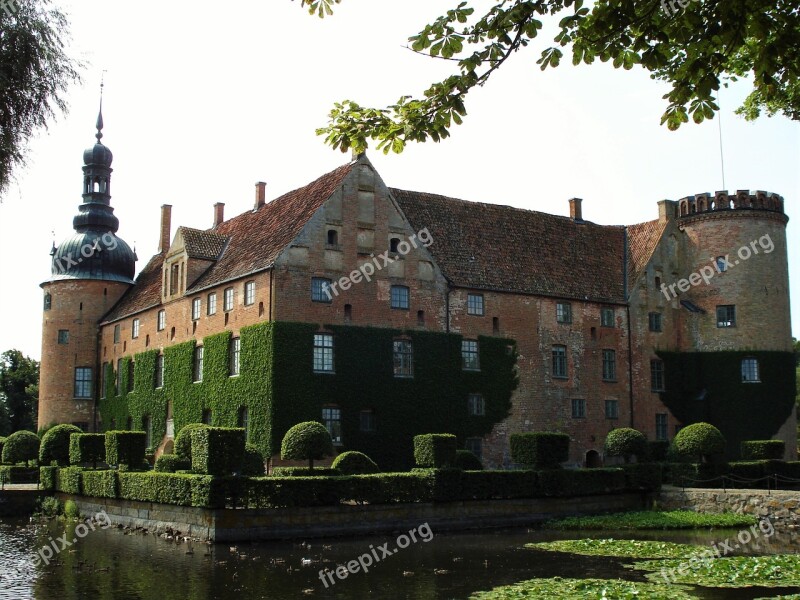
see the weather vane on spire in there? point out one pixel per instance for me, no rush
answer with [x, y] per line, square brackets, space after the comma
[99, 133]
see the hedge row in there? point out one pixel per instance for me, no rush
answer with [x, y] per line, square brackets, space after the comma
[421, 485]
[762, 449]
[18, 474]
[736, 473]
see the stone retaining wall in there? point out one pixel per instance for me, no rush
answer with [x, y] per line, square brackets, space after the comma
[332, 521]
[782, 507]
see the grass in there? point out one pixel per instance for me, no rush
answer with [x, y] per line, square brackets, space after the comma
[557, 588]
[652, 519]
[620, 548]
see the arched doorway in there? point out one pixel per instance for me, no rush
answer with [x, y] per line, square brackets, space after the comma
[593, 460]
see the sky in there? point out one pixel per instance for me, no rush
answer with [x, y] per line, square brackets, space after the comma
[202, 100]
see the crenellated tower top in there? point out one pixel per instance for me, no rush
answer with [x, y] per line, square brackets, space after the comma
[722, 202]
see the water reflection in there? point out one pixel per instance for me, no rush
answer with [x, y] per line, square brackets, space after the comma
[111, 564]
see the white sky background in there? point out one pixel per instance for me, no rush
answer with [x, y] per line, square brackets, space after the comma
[203, 99]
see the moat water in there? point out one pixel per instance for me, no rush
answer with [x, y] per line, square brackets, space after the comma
[114, 564]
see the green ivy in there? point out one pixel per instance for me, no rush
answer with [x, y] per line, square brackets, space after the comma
[279, 388]
[741, 411]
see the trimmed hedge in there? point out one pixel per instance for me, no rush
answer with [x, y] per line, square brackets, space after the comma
[69, 479]
[55, 445]
[253, 462]
[169, 463]
[580, 482]
[657, 450]
[168, 488]
[762, 449]
[100, 484]
[14, 474]
[217, 451]
[48, 476]
[2, 442]
[435, 450]
[354, 463]
[627, 443]
[303, 472]
[87, 448]
[126, 448]
[540, 450]
[183, 441]
[21, 446]
[643, 476]
[467, 461]
[307, 441]
[487, 485]
[699, 440]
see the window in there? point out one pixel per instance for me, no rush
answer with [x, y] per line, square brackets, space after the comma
[249, 293]
[474, 445]
[470, 359]
[323, 353]
[116, 334]
[476, 405]
[196, 304]
[131, 367]
[333, 237]
[400, 297]
[578, 409]
[63, 336]
[227, 299]
[173, 279]
[135, 329]
[750, 370]
[722, 264]
[207, 416]
[560, 362]
[475, 304]
[564, 312]
[48, 301]
[655, 321]
[661, 426]
[657, 375]
[197, 371]
[320, 289]
[118, 383]
[234, 351]
[332, 419]
[366, 420]
[612, 409]
[159, 383]
[393, 244]
[83, 382]
[609, 365]
[243, 420]
[348, 313]
[726, 315]
[606, 317]
[147, 426]
[162, 320]
[211, 305]
[403, 358]
[420, 318]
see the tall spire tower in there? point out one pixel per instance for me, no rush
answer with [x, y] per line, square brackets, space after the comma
[90, 271]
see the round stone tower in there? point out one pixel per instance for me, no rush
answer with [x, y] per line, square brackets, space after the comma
[736, 246]
[90, 271]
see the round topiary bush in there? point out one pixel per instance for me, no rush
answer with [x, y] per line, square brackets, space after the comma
[55, 445]
[183, 441]
[253, 462]
[22, 446]
[467, 461]
[700, 440]
[354, 463]
[626, 442]
[307, 441]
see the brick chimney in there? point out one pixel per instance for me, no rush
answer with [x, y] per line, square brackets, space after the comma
[219, 213]
[261, 195]
[575, 211]
[667, 210]
[166, 225]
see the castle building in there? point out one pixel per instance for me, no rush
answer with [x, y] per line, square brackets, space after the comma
[386, 313]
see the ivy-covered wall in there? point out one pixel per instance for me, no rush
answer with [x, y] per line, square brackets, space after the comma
[741, 411]
[279, 388]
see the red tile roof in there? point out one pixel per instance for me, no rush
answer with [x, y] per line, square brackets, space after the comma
[494, 247]
[642, 241]
[202, 244]
[255, 238]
